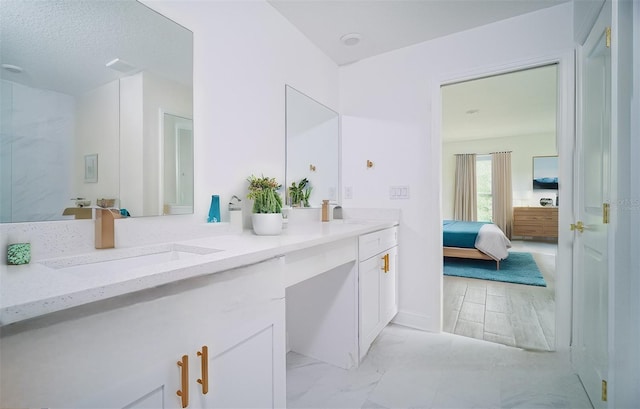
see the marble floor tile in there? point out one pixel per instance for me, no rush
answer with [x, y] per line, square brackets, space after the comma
[406, 388]
[407, 368]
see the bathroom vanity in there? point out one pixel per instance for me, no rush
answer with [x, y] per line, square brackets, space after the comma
[209, 326]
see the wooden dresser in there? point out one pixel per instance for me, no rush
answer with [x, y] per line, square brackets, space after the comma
[535, 222]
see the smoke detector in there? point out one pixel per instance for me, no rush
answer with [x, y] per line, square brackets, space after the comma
[350, 39]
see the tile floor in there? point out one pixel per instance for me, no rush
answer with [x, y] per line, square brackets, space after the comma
[407, 368]
[510, 314]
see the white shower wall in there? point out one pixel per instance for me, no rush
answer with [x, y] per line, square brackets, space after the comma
[37, 126]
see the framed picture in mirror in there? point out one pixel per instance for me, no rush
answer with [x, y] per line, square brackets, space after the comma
[91, 168]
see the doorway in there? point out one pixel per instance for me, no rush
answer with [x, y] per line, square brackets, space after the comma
[515, 110]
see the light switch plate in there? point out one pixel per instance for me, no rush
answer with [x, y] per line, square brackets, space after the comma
[399, 192]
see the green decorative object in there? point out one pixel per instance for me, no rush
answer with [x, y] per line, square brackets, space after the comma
[300, 193]
[19, 253]
[264, 192]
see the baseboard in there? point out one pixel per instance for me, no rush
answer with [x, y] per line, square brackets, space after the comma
[417, 321]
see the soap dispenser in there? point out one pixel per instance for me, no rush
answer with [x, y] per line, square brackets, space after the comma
[235, 214]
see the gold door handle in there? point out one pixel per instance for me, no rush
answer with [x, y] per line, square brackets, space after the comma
[184, 381]
[578, 226]
[385, 267]
[204, 368]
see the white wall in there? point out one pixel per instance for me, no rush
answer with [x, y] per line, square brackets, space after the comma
[144, 96]
[97, 131]
[388, 116]
[317, 146]
[244, 54]
[523, 148]
[37, 127]
[160, 95]
[132, 152]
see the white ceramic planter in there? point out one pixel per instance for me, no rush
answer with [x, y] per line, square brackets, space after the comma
[266, 224]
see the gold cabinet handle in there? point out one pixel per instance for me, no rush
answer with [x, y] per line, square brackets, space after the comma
[578, 226]
[204, 368]
[385, 267]
[184, 381]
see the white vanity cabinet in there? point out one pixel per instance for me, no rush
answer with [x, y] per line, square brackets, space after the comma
[123, 352]
[377, 272]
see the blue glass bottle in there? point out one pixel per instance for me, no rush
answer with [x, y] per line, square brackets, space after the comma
[214, 210]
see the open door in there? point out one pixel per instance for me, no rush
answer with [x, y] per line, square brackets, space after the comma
[589, 349]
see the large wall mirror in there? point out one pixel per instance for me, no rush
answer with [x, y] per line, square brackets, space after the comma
[313, 146]
[96, 102]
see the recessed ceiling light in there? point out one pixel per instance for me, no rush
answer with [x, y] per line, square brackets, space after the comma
[350, 39]
[472, 111]
[12, 68]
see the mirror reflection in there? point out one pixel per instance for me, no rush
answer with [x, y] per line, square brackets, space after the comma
[82, 110]
[313, 147]
[178, 165]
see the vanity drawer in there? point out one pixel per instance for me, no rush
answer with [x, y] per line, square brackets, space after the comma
[371, 244]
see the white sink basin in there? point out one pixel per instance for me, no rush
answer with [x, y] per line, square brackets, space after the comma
[119, 260]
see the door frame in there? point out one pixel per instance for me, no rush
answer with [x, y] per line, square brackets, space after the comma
[565, 144]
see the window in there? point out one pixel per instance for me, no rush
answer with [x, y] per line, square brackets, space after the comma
[483, 184]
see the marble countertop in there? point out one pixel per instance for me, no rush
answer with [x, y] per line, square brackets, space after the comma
[45, 286]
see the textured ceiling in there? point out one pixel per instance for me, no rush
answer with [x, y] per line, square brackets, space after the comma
[63, 45]
[518, 103]
[386, 25]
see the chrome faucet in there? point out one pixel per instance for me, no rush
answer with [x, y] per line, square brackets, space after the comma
[105, 229]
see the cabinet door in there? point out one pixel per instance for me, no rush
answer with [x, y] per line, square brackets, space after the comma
[153, 388]
[125, 355]
[369, 294]
[389, 287]
[241, 375]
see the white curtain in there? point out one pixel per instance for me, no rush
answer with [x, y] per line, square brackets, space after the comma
[502, 191]
[465, 202]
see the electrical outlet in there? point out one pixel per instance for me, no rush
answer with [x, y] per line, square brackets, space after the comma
[348, 192]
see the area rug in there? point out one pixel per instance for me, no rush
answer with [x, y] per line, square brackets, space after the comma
[518, 268]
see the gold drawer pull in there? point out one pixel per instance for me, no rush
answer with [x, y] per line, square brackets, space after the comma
[184, 381]
[204, 368]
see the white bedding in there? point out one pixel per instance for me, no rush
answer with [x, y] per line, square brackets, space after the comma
[492, 241]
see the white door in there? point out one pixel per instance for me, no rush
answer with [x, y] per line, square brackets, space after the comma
[591, 247]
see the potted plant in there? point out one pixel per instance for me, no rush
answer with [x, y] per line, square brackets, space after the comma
[300, 193]
[267, 206]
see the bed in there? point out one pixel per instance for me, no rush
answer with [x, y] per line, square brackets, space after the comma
[475, 240]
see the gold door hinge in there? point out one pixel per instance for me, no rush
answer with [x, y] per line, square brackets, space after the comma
[605, 213]
[604, 390]
[607, 34]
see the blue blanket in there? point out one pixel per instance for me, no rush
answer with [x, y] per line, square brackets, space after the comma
[460, 234]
